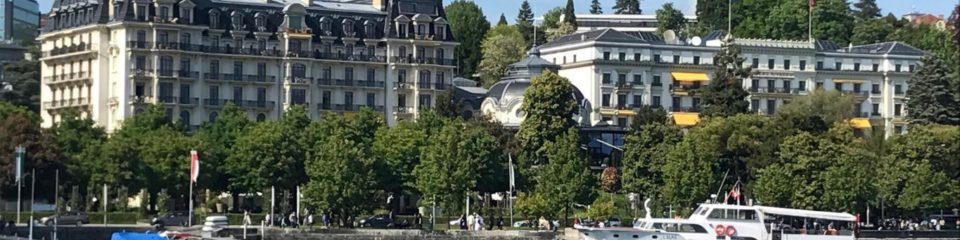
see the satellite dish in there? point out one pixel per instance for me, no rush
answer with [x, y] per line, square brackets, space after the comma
[696, 41]
[669, 36]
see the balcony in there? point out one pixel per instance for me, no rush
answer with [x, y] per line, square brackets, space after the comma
[683, 109]
[214, 102]
[65, 103]
[186, 74]
[440, 86]
[402, 85]
[624, 86]
[325, 106]
[262, 104]
[684, 90]
[188, 101]
[166, 99]
[140, 99]
[422, 60]
[402, 110]
[232, 77]
[371, 84]
[299, 80]
[344, 82]
[260, 78]
[656, 84]
[57, 51]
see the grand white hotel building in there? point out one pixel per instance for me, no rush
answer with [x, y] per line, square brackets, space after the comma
[620, 71]
[108, 59]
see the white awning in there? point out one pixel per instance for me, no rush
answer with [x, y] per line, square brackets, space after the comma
[808, 214]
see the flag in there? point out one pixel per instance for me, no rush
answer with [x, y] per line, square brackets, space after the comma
[512, 180]
[194, 166]
[813, 3]
[19, 152]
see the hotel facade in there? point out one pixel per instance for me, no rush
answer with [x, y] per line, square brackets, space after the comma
[618, 72]
[109, 60]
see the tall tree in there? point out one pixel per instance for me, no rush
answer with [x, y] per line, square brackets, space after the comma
[570, 14]
[816, 112]
[20, 127]
[683, 176]
[503, 21]
[930, 98]
[549, 105]
[646, 147]
[525, 22]
[216, 141]
[23, 79]
[398, 151]
[595, 7]
[866, 10]
[832, 21]
[712, 13]
[871, 31]
[448, 164]
[565, 178]
[627, 7]
[77, 138]
[469, 26]
[669, 18]
[724, 96]
[502, 46]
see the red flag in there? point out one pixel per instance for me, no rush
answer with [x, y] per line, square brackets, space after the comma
[194, 166]
[813, 3]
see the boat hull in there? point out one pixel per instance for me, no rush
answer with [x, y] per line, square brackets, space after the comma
[625, 233]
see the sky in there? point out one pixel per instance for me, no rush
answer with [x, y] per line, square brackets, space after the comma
[493, 8]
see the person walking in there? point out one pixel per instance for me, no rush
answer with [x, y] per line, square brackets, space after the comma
[246, 218]
[500, 222]
[463, 222]
[478, 225]
[418, 220]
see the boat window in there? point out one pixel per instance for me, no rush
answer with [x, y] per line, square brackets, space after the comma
[733, 214]
[691, 228]
[702, 211]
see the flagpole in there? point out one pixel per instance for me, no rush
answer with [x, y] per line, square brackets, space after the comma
[810, 20]
[19, 174]
[729, 17]
[190, 215]
[191, 178]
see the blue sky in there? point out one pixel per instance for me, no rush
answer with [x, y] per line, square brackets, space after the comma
[493, 8]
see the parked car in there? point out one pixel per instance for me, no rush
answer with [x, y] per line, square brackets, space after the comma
[584, 223]
[171, 219]
[383, 221]
[613, 222]
[68, 218]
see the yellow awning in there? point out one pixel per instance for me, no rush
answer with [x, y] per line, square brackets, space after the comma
[685, 119]
[847, 81]
[860, 123]
[689, 77]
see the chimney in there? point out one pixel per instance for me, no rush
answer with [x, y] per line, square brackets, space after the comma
[380, 4]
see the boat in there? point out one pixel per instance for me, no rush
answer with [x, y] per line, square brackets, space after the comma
[713, 221]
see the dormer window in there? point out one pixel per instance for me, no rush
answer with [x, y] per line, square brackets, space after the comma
[261, 22]
[326, 26]
[141, 12]
[236, 21]
[421, 30]
[186, 15]
[117, 6]
[441, 32]
[348, 28]
[164, 12]
[370, 29]
[214, 19]
[402, 30]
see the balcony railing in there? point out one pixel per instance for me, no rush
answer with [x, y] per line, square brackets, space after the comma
[402, 85]
[188, 74]
[325, 106]
[67, 50]
[624, 86]
[440, 86]
[425, 60]
[214, 102]
[258, 104]
[299, 80]
[683, 109]
[188, 101]
[402, 110]
[371, 83]
[167, 99]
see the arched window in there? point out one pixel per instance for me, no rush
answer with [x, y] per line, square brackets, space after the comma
[326, 26]
[213, 117]
[261, 22]
[261, 117]
[236, 20]
[214, 18]
[185, 117]
[370, 29]
[348, 28]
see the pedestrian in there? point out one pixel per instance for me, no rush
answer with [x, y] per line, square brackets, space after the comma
[268, 220]
[463, 222]
[471, 221]
[478, 225]
[500, 222]
[418, 220]
[326, 220]
[246, 217]
[310, 220]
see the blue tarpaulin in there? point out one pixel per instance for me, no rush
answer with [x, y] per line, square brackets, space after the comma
[136, 236]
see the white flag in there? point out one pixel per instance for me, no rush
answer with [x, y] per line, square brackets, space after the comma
[194, 166]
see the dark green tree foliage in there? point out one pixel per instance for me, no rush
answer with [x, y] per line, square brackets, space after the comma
[832, 21]
[930, 98]
[712, 13]
[566, 178]
[570, 14]
[216, 141]
[24, 80]
[866, 9]
[669, 18]
[871, 31]
[469, 26]
[78, 138]
[271, 154]
[503, 21]
[816, 112]
[341, 170]
[683, 173]
[645, 151]
[918, 172]
[627, 7]
[739, 144]
[787, 20]
[549, 105]
[447, 106]
[20, 127]
[494, 169]
[525, 22]
[449, 163]
[595, 7]
[724, 95]
[397, 149]
[121, 159]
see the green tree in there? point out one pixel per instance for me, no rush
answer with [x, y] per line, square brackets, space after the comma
[525, 22]
[595, 7]
[602, 209]
[816, 112]
[741, 144]
[769, 186]
[832, 21]
[448, 164]
[263, 157]
[549, 105]
[503, 21]
[20, 127]
[469, 26]
[533, 205]
[866, 10]
[627, 7]
[216, 141]
[926, 188]
[645, 149]
[23, 79]
[502, 46]
[570, 14]
[683, 176]
[77, 138]
[712, 13]
[871, 31]
[565, 179]
[447, 106]
[398, 150]
[669, 18]
[165, 166]
[788, 20]
[930, 98]
[724, 95]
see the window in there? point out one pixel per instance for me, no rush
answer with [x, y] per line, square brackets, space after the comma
[875, 89]
[564, 59]
[236, 21]
[770, 63]
[327, 73]
[325, 100]
[441, 76]
[184, 93]
[212, 117]
[621, 101]
[261, 117]
[819, 65]
[425, 101]
[401, 76]
[755, 105]
[912, 67]
[637, 79]
[141, 12]
[771, 85]
[262, 71]
[898, 89]
[655, 102]
[184, 38]
[622, 56]
[621, 78]
[786, 64]
[326, 25]
[876, 110]
[802, 85]
[606, 55]
[756, 63]
[140, 62]
[897, 68]
[441, 54]
[803, 65]
[184, 117]
[637, 100]
[237, 70]
[856, 87]
[696, 60]
[876, 67]
[676, 59]
[163, 38]
[214, 18]
[214, 94]
[856, 66]
[402, 30]
[441, 32]
[636, 57]
[819, 85]
[838, 66]
[897, 109]
[371, 75]
[166, 66]
[185, 67]
[622, 122]
[606, 100]
[164, 12]
[898, 129]
[371, 99]
[675, 102]
[348, 73]
[261, 95]
[237, 94]
[656, 58]
[186, 15]
[295, 46]
[606, 78]
[838, 86]
[771, 106]
[742, 214]
[214, 69]
[298, 96]
[166, 92]
[348, 27]
[656, 80]
[787, 84]
[299, 70]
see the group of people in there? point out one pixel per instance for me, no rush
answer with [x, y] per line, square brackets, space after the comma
[916, 224]
[476, 222]
[291, 220]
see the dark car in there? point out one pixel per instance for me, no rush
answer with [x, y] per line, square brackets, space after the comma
[383, 221]
[171, 219]
[68, 218]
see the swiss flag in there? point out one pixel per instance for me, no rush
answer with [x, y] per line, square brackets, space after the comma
[194, 166]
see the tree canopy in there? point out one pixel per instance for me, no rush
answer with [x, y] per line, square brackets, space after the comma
[469, 26]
